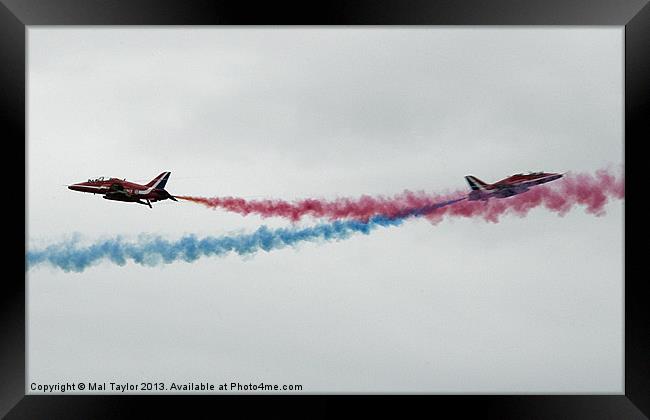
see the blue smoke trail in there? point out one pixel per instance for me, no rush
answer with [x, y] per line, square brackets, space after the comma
[151, 251]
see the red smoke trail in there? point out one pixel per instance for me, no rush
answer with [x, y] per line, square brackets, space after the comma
[592, 191]
[343, 208]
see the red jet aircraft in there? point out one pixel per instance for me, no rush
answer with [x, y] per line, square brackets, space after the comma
[513, 185]
[122, 190]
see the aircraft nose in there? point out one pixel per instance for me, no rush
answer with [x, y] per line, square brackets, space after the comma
[74, 187]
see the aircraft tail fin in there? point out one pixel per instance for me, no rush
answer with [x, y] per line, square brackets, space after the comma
[160, 181]
[475, 183]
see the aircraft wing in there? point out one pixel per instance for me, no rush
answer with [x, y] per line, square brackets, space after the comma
[533, 182]
[516, 185]
[118, 193]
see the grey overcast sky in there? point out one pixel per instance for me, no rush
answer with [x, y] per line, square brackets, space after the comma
[527, 305]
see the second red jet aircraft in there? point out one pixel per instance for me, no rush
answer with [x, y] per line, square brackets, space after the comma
[513, 185]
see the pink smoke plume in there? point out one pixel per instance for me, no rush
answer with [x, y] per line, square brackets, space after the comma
[592, 191]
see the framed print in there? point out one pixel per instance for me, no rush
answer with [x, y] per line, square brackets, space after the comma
[374, 203]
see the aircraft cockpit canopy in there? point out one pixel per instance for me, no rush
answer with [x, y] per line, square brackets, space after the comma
[528, 174]
[101, 178]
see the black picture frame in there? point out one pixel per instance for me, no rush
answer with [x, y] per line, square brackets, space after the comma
[15, 15]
